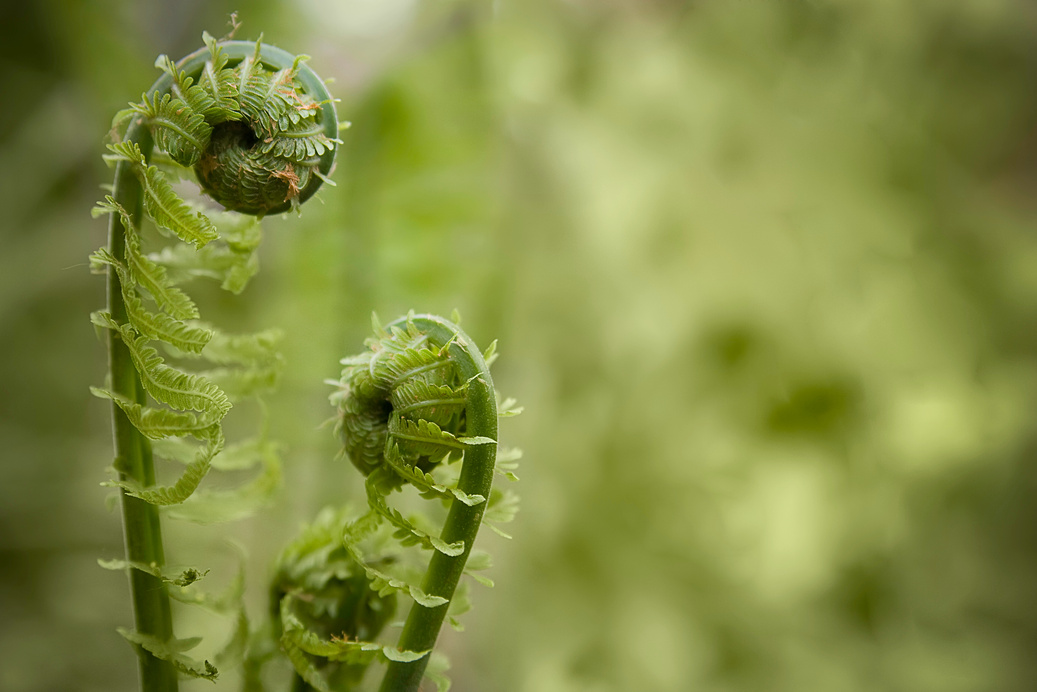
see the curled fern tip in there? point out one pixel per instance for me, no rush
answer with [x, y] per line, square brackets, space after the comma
[255, 123]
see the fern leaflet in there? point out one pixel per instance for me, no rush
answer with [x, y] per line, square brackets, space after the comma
[179, 130]
[172, 651]
[163, 205]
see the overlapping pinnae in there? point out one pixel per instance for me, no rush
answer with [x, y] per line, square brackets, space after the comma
[190, 114]
[417, 401]
[252, 135]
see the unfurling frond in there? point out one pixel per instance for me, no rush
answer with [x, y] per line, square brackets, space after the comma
[420, 399]
[259, 130]
[328, 611]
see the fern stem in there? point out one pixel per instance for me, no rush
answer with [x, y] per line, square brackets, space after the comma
[462, 524]
[133, 457]
[142, 530]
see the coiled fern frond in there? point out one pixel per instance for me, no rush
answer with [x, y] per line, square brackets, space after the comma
[260, 140]
[319, 594]
[419, 400]
[258, 130]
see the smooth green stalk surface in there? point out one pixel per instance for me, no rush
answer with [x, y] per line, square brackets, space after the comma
[423, 623]
[141, 526]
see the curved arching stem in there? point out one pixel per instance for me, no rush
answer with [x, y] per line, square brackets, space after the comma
[462, 523]
[133, 459]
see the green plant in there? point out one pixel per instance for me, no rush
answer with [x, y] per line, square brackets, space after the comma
[257, 129]
[421, 398]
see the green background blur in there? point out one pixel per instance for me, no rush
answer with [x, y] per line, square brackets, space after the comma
[764, 275]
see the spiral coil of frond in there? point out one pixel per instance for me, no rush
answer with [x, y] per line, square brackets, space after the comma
[420, 399]
[163, 406]
[257, 126]
[320, 594]
[402, 383]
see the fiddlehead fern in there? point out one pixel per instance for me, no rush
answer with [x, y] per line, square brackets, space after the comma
[421, 398]
[319, 594]
[258, 130]
[257, 126]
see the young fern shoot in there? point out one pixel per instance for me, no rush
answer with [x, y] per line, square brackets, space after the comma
[420, 399]
[258, 130]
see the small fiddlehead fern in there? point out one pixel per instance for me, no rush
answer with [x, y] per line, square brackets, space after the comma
[257, 128]
[319, 594]
[421, 398]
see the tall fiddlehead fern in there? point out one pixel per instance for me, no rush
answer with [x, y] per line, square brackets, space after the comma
[418, 400]
[257, 129]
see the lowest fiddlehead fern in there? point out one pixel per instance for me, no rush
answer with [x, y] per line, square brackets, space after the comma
[420, 399]
[257, 129]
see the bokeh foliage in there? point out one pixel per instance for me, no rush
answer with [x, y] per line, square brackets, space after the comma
[764, 275]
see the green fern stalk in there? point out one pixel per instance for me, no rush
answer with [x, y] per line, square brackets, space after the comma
[463, 521]
[142, 529]
[259, 111]
[419, 400]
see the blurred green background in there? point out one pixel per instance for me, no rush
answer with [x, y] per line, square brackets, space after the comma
[764, 275]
